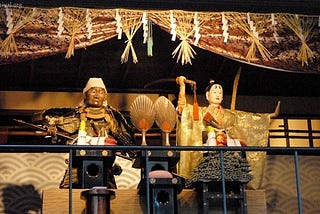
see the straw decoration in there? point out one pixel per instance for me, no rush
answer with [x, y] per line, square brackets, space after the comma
[73, 21]
[17, 19]
[185, 52]
[252, 29]
[188, 24]
[301, 26]
[130, 23]
[184, 25]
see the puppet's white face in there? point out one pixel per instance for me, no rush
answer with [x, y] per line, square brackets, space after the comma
[95, 97]
[215, 94]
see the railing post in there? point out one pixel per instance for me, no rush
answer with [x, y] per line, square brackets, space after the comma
[223, 183]
[147, 181]
[296, 158]
[70, 181]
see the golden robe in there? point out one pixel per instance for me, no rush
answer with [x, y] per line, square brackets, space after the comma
[252, 127]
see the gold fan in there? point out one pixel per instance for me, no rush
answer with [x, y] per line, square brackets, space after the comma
[142, 115]
[165, 116]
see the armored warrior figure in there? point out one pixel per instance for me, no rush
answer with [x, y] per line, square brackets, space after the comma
[93, 122]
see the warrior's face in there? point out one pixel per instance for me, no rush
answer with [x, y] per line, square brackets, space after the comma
[215, 94]
[95, 97]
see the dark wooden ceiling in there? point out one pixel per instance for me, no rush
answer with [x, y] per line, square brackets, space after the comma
[265, 6]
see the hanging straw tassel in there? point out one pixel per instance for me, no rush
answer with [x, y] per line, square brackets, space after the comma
[74, 20]
[195, 104]
[9, 45]
[130, 25]
[70, 51]
[129, 46]
[253, 32]
[185, 52]
[71, 46]
[302, 27]
[184, 29]
[182, 24]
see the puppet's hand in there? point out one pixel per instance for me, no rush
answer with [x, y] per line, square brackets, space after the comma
[51, 130]
[181, 80]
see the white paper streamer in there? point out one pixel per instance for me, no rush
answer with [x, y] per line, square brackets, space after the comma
[274, 23]
[225, 28]
[144, 21]
[88, 24]
[252, 27]
[118, 24]
[60, 22]
[196, 29]
[9, 20]
[173, 26]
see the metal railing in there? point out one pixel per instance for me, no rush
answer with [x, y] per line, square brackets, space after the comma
[70, 149]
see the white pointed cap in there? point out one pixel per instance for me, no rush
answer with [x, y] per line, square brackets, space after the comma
[94, 82]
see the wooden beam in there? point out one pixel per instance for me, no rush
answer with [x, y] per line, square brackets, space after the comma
[264, 6]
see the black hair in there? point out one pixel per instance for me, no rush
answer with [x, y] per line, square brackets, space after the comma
[211, 83]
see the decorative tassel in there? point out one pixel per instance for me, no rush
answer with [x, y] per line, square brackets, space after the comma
[302, 27]
[147, 33]
[195, 104]
[253, 32]
[8, 45]
[130, 25]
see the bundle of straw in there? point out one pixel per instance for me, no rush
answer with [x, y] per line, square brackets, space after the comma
[21, 18]
[131, 22]
[241, 21]
[73, 21]
[302, 27]
[184, 29]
